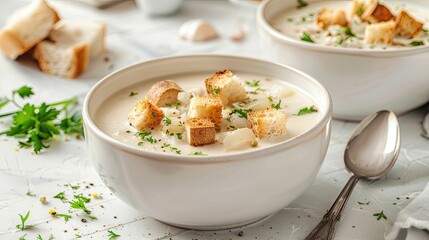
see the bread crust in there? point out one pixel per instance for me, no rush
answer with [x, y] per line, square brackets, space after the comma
[145, 115]
[328, 17]
[267, 123]
[408, 26]
[377, 12]
[200, 131]
[225, 85]
[380, 33]
[206, 107]
[164, 92]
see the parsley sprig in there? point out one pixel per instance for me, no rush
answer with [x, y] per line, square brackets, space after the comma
[306, 110]
[306, 37]
[38, 124]
[22, 226]
[380, 215]
[112, 234]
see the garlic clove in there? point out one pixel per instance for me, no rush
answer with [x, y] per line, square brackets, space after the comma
[198, 30]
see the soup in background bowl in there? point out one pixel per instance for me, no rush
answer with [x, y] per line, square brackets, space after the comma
[362, 77]
[216, 189]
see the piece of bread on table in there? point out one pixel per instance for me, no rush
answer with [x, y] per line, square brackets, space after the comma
[206, 107]
[225, 85]
[380, 33]
[164, 92]
[79, 31]
[26, 27]
[408, 26]
[359, 7]
[145, 115]
[200, 131]
[328, 17]
[69, 47]
[377, 12]
[63, 60]
[267, 123]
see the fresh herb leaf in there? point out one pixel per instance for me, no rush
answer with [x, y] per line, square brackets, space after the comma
[22, 237]
[112, 234]
[153, 115]
[78, 235]
[307, 110]
[347, 31]
[359, 11]
[24, 92]
[417, 43]
[65, 216]
[142, 135]
[174, 105]
[175, 149]
[151, 140]
[92, 217]
[363, 203]
[257, 90]
[166, 145]
[73, 125]
[81, 197]
[278, 105]
[22, 226]
[179, 136]
[3, 102]
[254, 83]
[79, 204]
[199, 153]
[61, 197]
[132, 94]
[215, 91]
[74, 187]
[30, 193]
[306, 37]
[425, 30]
[380, 215]
[301, 4]
[242, 113]
[167, 120]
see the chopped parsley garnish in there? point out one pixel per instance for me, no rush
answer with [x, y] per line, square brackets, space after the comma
[302, 4]
[51, 237]
[425, 30]
[79, 203]
[22, 237]
[290, 19]
[254, 83]
[151, 140]
[166, 145]
[78, 235]
[257, 90]
[306, 37]
[22, 226]
[417, 43]
[278, 105]
[199, 153]
[38, 124]
[215, 91]
[179, 136]
[270, 99]
[153, 115]
[81, 197]
[132, 94]
[30, 193]
[146, 136]
[74, 187]
[61, 197]
[174, 105]
[363, 203]
[175, 149]
[112, 234]
[232, 127]
[166, 120]
[242, 113]
[307, 110]
[359, 11]
[347, 31]
[380, 215]
[65, 216]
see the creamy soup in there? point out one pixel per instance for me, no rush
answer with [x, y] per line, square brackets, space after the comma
[112, 116]
[300, 23]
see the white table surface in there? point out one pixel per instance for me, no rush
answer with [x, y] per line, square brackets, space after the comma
[132, 37]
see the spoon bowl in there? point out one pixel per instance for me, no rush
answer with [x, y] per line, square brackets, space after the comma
[370, 153]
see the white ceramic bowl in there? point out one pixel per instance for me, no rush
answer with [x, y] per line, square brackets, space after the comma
[359, 81]
[207, 192]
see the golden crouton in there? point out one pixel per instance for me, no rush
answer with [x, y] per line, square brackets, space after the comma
[226, 86]
[145, 115]
[377, 12]
[408, 26]
[359, 6]
[380, 33]
[267, 123]
[206, 107]
[164, 92]
[328, 17]
[200, 131]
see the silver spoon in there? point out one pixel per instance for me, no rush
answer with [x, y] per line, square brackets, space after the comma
[370, 153]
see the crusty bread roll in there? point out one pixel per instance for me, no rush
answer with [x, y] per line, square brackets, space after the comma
[164, 92]
[27, 27]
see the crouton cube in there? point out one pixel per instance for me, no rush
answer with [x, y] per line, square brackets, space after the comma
[206, 107]
[267, 123]
[164, 92]
[377, 12]
[380, 33]
[408, 26]
[328, 17]
[145, 115]
[227, 86]
[359, 6]
[200, 131]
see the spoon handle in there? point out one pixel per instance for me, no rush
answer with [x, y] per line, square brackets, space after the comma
[325, 230]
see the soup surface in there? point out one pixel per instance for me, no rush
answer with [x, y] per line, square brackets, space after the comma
[298, 22]
[112, 116]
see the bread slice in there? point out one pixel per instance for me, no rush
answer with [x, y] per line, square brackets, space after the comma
[226, 86]
[380, 33]
[328, 17]
[26, 27]
[78, 31]
[145, 115]
[200, 131]
[267, 123]
[408, 26]
[66, 61]
[359, 7]
[206, 107]
[164, 92]
[377, 12]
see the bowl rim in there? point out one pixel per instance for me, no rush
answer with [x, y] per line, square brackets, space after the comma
[263, 23]
[323, 122]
